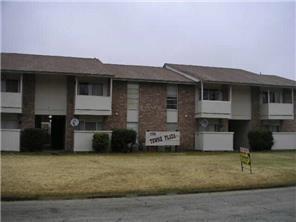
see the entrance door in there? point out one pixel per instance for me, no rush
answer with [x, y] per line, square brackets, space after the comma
[240, 129]
[55, 126]
[57, 132]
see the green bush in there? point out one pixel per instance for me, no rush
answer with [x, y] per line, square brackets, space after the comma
[122, 138]
[260, 139]
[33, 139]
[100, 142]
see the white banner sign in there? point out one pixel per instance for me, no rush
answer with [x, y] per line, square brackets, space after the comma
[162, 138]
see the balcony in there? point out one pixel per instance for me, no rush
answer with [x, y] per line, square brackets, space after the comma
[11, 102]
[277, 111]
[213, 101]
[213, 109]
[93, 97]
[214, 141]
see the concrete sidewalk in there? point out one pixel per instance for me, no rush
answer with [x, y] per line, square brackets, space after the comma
[254, 205]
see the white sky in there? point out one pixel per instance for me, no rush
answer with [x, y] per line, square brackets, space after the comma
[258, 37]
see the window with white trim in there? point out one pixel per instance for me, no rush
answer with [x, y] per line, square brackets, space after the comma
[10, 84]
[172, 97]
[90, 89]
[90, 123]
[133, 96]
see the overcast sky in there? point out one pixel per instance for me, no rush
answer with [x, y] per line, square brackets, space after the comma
[259, 37]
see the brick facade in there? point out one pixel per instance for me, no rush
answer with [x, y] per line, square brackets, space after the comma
[69, 134]
[28, 102]
[152, 108]
[119, 107]
[186, 119]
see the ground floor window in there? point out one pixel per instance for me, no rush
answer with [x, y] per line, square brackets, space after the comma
[10, 121]
[272, 125]
[90, 123]
[211, 125]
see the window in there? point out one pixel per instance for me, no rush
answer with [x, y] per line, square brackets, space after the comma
[10, 85]
[90, 89]
[90, 124]
[172, 101]
[133, 126]
[272, 125]
[9, 121]
[172, 126]
[287, 96]
[275, 96]
[132, 96]
[214, 125]
[212, 94]
[264, 97]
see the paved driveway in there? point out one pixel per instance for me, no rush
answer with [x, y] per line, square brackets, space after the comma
[261, 205]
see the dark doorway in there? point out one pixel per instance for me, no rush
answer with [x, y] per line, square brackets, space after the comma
[240, 129]
[57, 132]
[55, 126]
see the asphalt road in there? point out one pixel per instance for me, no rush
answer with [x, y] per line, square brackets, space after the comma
[256, 205]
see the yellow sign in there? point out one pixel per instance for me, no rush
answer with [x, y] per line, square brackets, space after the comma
[245, 158]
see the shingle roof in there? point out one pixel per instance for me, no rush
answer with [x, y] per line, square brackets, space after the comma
[229, 75]
[51, 64]
[145, 73]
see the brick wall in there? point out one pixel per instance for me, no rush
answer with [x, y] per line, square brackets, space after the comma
[69, 134]
[290, 125]
[119, 106]
[28, 115]
[186, 119]
[152, 108]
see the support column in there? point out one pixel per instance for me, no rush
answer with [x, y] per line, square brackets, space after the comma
[28, 101]
[69, 134]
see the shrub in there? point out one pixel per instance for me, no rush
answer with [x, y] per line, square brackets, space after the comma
[260, 139]
[100, 142]
[33, 139]
[122, 139]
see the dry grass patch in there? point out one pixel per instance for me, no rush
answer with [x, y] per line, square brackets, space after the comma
[74, 175]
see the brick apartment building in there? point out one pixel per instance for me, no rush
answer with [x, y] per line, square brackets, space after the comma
[212, 108]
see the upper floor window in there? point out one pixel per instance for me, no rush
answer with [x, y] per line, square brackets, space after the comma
[265, 97]
[10, 85]
[90, 89]
[275, 96]
[132, 96]
[212, 94]
[172, 98]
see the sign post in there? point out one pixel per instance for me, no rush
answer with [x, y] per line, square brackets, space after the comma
[245, 158]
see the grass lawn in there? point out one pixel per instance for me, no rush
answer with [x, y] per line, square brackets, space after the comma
[41, 176]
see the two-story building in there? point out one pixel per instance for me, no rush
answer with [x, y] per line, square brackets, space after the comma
[231, 102]
[213, 108]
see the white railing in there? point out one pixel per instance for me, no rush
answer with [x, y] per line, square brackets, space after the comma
[214, 141]
[213, 109]
[10, 139]
[277, 111]
[83, 139]
[284, 140]
[93, 105]
[11, 102]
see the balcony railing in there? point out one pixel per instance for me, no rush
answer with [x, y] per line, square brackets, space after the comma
[277, 111]
[11, 102]
[93, 105]
[214, 141]
[213, 109]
